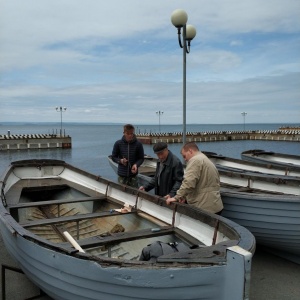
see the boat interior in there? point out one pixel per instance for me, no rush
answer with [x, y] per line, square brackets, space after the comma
[49, 212]
[98, 223]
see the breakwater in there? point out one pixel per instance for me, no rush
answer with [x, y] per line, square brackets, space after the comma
[215, 136]
[34, 141]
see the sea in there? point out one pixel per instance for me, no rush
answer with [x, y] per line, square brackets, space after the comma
[92, 143]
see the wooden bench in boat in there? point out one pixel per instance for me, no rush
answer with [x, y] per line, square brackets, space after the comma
[53, 202]
[74, 218]
[120, 237]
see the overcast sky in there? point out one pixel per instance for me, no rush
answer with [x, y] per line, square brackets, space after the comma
[119, 61]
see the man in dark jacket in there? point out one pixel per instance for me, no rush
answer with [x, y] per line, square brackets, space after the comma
[128, 153]
[169, 172]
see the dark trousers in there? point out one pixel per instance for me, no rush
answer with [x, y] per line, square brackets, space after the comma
[131, 181]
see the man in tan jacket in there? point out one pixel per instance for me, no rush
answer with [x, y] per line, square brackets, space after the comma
[201, 183]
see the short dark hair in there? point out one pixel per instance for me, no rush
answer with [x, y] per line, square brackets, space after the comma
[190, 145]
[128, 127]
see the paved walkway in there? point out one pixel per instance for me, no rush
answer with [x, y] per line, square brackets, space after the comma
[274, 278]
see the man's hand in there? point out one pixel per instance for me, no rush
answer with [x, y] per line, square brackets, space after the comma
[141, 188]
[170, 200]
[134, 169]
[182, 200]
[123, 161]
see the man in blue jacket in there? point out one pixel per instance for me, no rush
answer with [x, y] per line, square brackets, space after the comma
[128, 153]
[169, 172]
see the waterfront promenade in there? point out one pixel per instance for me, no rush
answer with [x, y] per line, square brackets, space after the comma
[34, 141]
[215, 136]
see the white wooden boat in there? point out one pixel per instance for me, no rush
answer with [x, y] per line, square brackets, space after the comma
[239, 165]
[267, 157]
[223, 163]
[233, 178]
[274, 219]
[268, 205]
[80, 236]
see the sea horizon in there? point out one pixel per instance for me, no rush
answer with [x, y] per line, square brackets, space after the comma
[4, 123]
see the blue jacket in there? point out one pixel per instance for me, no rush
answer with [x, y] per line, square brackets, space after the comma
[133, 151]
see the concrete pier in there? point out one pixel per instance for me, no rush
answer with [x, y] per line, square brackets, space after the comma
[215, 136]
[34, 141]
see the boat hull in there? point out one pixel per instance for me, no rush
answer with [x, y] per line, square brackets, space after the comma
[218, 270]
[273, 219]
[65, 277]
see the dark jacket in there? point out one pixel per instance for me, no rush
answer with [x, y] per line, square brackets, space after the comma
[133, 151]
[170, 177]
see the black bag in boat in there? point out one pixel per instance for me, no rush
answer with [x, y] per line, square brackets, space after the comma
[156, 249]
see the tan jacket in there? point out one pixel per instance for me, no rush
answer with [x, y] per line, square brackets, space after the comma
[201, 184]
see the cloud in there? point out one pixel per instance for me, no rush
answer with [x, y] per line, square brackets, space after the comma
[119, 60]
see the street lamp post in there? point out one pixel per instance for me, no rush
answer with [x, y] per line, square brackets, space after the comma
[159, 113]
[244, 115]
[61, 110]
[179, 18]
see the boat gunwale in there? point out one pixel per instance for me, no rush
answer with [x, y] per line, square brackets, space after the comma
[272, 178]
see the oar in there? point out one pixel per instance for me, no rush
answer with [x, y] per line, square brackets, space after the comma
[73, 242]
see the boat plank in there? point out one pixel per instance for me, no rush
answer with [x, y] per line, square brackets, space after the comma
[124, 236]
[53, 202]
[74, 218]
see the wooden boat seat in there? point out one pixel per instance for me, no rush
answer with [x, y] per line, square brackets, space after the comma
[53, 202]
[120, 237]
[74, 218]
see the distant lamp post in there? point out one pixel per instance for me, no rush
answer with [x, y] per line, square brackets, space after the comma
[244, 115]
[179, 18]
[61, 110]
[159, 113]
